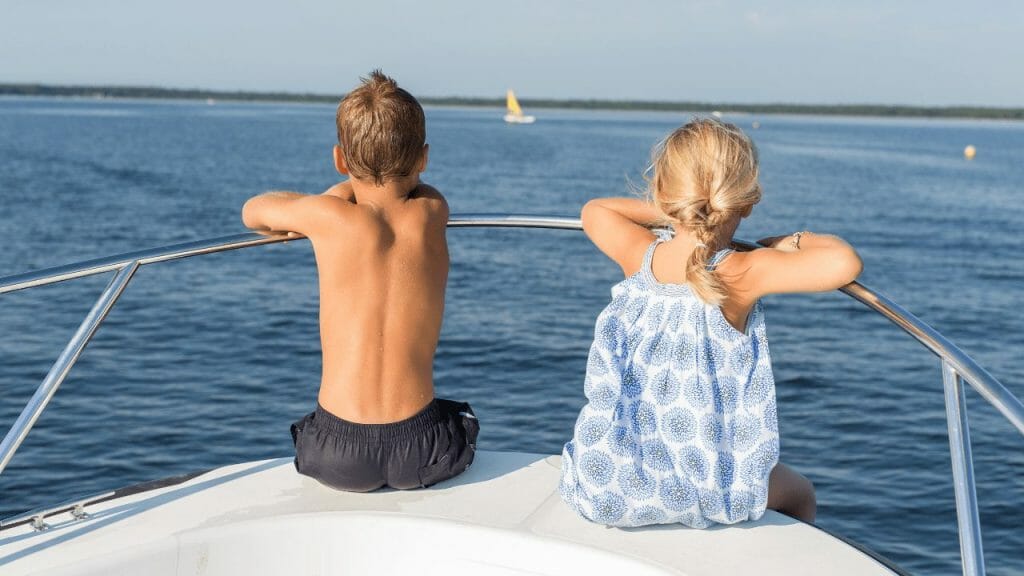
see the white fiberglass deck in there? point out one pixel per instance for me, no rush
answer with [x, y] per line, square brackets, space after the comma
[502, 517]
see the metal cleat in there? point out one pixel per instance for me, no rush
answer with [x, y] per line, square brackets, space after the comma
[79, 513]
[39, 524]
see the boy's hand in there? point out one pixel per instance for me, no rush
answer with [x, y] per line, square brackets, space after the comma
[269, 232]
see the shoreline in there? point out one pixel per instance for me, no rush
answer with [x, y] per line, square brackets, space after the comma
[877, 110]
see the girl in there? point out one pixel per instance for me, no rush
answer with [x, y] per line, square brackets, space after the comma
[680, 421]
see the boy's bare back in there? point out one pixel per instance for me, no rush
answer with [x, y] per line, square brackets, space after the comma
[382, 260]
[383, 271]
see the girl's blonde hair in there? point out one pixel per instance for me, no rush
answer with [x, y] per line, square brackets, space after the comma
[701, 175]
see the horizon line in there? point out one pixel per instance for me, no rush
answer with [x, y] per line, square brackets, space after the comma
[855, 109]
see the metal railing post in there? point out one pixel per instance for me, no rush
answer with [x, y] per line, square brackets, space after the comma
[64, 362]
[967, 518]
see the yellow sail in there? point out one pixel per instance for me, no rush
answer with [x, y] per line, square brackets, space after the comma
[513, 104]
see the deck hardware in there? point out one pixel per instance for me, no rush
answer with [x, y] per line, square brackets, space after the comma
[39, 524]
[79, 513]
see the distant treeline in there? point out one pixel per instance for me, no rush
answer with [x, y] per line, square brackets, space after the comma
[826, 109]
[157, 93]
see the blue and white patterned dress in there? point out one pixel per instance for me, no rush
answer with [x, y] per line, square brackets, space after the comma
[680, 423]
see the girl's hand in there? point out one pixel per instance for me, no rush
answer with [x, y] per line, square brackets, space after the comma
[790, 243]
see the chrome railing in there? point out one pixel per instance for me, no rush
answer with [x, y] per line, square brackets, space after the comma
[957, 366]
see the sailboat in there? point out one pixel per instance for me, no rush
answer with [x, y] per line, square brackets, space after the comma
[515, 113]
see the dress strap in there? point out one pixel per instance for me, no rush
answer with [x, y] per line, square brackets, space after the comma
[649, 255]
[717, 258]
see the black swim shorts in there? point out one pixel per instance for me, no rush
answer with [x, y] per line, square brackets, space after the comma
[436, 444]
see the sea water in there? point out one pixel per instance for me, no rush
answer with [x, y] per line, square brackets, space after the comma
[206, 361]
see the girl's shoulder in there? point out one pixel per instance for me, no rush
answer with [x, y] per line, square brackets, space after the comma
[744, 271]
[734, 267]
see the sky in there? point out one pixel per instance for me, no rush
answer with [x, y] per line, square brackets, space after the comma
[793, 51]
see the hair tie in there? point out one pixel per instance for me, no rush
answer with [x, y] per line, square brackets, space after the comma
[701, 245]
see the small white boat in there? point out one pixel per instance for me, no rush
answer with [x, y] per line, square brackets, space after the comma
[515, 112]
[502, 517]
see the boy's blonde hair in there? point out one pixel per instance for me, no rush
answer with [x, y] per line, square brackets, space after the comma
[381, 130]
[701, 175]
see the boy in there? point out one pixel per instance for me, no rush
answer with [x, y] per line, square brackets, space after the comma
[382, 259]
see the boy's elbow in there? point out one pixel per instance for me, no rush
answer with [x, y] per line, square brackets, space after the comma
[247, 214]
[589, 212]
[588, 207]
[250, 214]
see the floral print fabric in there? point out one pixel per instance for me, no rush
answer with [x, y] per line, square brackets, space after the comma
[680, 423]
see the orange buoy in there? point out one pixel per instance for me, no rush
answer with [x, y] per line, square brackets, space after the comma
[969, 152]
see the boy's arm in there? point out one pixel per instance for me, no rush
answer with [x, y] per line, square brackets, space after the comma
[289, 212]
[620, 227]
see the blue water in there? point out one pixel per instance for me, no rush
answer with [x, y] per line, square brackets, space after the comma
[206, 361]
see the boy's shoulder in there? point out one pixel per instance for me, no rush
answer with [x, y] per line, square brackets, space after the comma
[430, 204]
[430, 196]
[340, 194]
[425, 206]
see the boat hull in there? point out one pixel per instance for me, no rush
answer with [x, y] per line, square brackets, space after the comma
[513, 119]
[502, 517]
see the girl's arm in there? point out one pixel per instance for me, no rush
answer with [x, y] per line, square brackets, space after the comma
[802, 262]
[619, 227]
